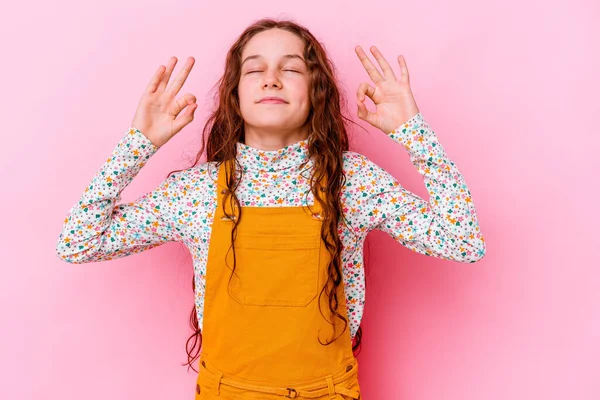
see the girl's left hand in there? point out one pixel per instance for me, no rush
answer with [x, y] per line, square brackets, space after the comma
[392, 97]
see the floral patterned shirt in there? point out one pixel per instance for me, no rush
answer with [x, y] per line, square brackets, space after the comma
[181, 208]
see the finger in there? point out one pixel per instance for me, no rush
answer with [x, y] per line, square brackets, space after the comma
[403, 69]
[365, 89]
[185, 118]
[371, 70]
[183, 74]
[165, 79]
[151, 88]
[364, 113]
[385, 67]
[182, 102]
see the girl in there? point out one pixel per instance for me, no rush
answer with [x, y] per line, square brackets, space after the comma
[279, 183]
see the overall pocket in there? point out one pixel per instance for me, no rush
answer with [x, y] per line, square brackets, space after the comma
[275, 270]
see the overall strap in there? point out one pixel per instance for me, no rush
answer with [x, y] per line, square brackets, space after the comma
[225, 169]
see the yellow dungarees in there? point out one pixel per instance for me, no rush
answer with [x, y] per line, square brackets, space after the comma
[260, 331]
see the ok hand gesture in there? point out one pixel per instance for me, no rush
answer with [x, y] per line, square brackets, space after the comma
[157, 115]
[393, 98]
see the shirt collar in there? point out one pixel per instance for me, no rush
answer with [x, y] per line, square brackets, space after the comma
[287, 157]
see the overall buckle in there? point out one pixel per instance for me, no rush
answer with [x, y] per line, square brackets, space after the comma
[289, 395]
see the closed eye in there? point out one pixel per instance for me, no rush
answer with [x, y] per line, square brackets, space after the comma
[291, 70]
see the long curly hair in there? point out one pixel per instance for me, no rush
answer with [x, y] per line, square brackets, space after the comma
[327, 140]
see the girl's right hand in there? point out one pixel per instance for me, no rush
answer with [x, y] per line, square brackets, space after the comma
[157, 115]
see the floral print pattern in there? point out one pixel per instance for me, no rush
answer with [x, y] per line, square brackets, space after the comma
[181, 207]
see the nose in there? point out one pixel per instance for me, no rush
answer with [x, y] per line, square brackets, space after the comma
[271, 79]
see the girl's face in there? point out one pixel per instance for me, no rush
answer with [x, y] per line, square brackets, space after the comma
[273, 65]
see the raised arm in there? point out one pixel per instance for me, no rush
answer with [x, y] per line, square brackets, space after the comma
[96, 227]
[443, 226]
[446, 224]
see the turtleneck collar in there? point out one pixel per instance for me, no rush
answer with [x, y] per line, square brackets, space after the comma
[272, 160]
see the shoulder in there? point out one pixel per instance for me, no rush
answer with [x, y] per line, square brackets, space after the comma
[198, 177]
[358, 167]
[351, 158]
[355, 162]
[203, 172]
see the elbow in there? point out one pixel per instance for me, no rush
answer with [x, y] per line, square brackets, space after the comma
[60, 249]
[71, 252]
[62, 252]
[469, 252]
[477, 251]
[67, 256]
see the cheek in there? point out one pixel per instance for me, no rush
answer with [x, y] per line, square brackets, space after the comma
[242, 92]
[301, 94]
[305, 102]
[245, 97]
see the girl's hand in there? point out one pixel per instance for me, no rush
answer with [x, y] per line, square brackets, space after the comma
[392, 97]
[157, 115]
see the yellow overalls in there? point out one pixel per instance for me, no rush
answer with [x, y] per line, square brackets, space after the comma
[261, 331]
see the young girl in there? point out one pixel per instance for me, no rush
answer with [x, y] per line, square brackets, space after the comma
[281, 185]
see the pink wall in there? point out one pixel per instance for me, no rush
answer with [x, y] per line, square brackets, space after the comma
[511, 90]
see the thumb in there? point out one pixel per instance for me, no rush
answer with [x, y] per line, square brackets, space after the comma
[364, 114]
[185, 118]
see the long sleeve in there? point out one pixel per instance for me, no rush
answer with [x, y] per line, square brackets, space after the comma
[98, 229]
[445, 225]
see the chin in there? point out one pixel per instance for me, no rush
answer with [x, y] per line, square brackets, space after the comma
[273, 126]
[270, 122]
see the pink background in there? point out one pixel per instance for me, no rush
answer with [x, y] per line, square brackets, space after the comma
[511, 89]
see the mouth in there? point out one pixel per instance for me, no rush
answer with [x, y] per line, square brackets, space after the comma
[272, 102]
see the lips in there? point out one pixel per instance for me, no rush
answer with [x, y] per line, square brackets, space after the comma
[272, 100]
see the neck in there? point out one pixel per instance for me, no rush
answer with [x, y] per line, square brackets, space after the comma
[269, 139]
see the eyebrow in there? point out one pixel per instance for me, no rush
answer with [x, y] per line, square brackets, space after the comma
[288, 56]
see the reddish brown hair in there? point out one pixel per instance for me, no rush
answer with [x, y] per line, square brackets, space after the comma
[327, 140]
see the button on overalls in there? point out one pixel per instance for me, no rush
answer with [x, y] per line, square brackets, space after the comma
[262, 328]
